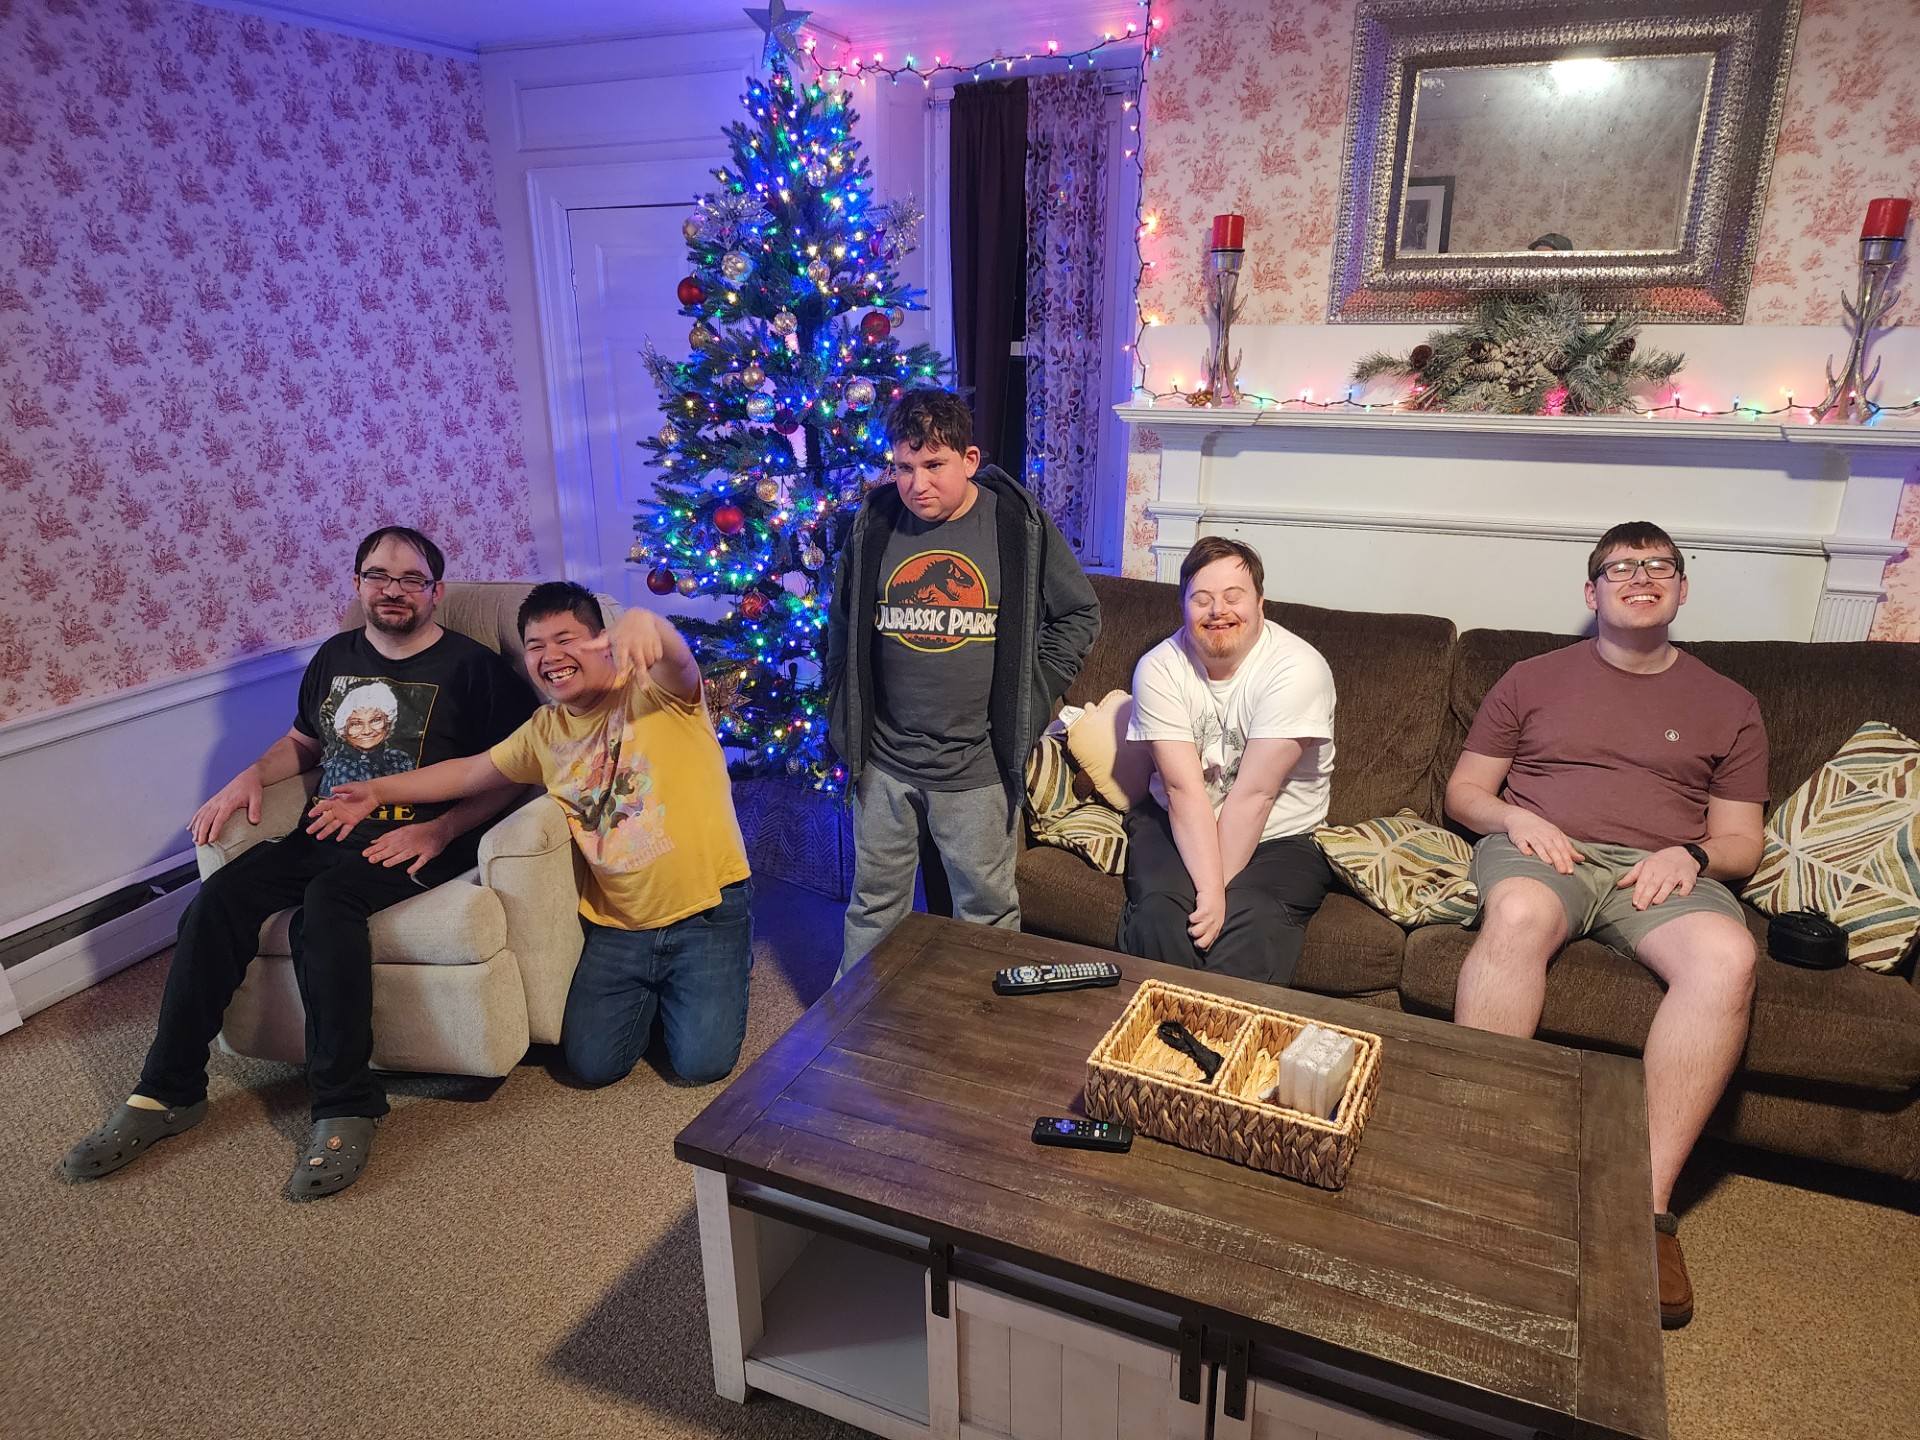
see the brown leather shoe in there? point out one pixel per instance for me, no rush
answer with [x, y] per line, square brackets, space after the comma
[1676, 1289]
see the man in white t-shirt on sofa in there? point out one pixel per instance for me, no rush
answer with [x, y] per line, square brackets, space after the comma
[1222, 869]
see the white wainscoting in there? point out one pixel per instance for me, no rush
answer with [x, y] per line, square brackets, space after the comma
[1488, 519]
[98, 796]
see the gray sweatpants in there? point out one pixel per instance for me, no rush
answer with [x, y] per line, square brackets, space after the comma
[972, 830]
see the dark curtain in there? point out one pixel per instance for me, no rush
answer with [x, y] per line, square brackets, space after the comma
[989, 244]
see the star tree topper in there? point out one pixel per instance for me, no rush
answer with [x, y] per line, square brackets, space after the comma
[781, 25]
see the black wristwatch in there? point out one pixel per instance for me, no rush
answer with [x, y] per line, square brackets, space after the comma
[1699, 855]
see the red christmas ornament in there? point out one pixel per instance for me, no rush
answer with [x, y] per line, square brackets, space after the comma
[875, 326]
[691, 291]
[729, 519]
[785, 422]
[753, 605]
[660, 580]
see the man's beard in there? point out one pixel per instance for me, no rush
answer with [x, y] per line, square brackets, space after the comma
[393, 624]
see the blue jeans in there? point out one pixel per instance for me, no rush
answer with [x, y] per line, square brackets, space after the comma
[693, 972]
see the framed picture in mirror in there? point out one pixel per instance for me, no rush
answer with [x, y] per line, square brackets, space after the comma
[1426, 215]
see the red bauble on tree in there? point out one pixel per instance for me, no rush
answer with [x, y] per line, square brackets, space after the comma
[753, 605]
[691, 291]
[729, 519]
[875, 326]
[660, 580]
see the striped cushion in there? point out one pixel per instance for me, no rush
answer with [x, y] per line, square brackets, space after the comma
[1094, 831]
[1049, 780]
[1848, 843]
[1410, 871]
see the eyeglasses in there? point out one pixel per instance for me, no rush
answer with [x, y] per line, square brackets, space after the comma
[380, 580]
[1660, 567]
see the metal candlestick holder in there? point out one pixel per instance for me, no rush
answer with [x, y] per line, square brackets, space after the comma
[1222, 369]
[1847, 401]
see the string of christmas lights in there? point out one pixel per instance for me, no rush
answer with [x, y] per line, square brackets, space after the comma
[1146, 32]
[1675, 407]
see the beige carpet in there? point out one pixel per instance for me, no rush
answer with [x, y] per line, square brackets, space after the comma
[521, 1260]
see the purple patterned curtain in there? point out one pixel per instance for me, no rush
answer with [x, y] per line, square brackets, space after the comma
[1066, 293]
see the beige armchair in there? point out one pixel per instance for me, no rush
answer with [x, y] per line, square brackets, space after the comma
[464, 976]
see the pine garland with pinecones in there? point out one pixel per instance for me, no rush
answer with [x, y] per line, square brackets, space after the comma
[1527, 355]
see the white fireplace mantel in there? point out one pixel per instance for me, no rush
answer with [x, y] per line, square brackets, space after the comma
[1488, 519]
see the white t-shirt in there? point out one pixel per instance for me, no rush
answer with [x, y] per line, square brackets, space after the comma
[1283, 690]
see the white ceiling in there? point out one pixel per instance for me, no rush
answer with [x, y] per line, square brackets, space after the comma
[930, 26]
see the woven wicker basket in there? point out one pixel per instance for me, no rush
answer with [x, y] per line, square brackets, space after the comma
[1134, 1077]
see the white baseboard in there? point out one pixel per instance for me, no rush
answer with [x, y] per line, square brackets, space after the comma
[73, 965]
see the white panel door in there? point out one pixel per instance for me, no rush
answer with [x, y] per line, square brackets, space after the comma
[627, 262]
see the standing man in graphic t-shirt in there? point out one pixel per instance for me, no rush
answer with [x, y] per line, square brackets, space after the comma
[628, 750]
[396, 695]
[1222, 869]
[1618, 782]
[959, 616]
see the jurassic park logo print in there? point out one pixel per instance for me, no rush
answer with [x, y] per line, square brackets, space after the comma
[936, 601]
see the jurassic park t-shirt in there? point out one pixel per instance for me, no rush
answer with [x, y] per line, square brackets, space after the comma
[646, 792]
[933, 632]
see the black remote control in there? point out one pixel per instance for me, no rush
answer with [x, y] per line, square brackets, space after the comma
[1082, 1134]
[1036, 979]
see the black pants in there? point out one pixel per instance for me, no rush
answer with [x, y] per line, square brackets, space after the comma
[1268, 903]
[337, 889]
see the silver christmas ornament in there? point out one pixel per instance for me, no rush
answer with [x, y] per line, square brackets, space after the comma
[736, 265]
[686, 585]
[817, 174]
[785, 323]
[753, 377]
[759, 407]
[819, 272]
[669, 435]
[860, 394]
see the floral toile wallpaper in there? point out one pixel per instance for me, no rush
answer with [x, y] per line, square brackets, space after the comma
[1246, 109]
[252, 305]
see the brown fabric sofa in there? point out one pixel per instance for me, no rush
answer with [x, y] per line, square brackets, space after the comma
[1832, 1065]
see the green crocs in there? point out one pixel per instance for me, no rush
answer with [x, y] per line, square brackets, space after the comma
[334, 1158]
[128, 1134]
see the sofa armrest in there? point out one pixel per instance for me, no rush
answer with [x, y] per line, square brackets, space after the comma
[282, 805]
[527, 858]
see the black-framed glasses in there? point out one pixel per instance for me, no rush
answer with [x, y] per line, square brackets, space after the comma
[1658, 567]
[380, 580]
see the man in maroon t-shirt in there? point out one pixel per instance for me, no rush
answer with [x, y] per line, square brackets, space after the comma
[1617, 783]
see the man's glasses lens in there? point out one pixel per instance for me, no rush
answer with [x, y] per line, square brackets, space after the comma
[1621, 571]
[379, 580]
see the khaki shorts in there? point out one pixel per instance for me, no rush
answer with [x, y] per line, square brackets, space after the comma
[1595, 906]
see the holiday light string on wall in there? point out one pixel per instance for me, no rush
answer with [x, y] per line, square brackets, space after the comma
[1675, 407]
[1147, 33]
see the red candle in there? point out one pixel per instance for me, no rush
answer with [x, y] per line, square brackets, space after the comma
[1886, 220]
[1230, 231]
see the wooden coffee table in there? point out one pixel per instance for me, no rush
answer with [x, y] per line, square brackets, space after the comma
[883, 1242]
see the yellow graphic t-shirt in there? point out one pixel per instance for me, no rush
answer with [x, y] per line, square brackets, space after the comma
[646, 792]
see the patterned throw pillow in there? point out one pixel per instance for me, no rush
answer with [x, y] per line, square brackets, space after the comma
[1412, 872]
[1049, 780]
[1848, 842]
[1094, 831]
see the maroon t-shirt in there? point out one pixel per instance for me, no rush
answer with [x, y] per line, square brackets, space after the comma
[1619, 758]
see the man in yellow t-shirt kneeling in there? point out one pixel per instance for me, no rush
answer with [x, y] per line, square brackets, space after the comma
[626, 746]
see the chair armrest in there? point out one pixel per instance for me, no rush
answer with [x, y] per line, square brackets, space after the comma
[282, 804]
[527, 858]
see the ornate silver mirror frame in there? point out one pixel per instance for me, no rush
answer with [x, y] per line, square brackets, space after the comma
[1702, 280]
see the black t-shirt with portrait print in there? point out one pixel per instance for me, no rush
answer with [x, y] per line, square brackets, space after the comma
[374, 716]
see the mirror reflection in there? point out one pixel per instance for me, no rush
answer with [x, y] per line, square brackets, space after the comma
[1580, 154]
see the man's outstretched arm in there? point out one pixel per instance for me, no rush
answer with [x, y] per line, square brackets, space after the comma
[349, 804]
[418, 843]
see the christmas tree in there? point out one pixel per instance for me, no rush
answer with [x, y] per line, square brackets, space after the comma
[774, 426]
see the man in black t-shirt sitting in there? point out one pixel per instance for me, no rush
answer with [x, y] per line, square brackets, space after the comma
[402, 692]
